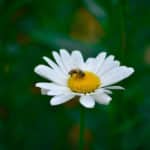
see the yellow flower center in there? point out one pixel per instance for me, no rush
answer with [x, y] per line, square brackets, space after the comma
[83, 82]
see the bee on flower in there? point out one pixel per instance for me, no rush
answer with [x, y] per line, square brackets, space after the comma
[91, 80]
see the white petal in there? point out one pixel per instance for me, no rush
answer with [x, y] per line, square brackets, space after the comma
[54, 66]
[44, 85]
[115, 87]
[50, 74]
[50, 86]
[100, 60]
[77, 58]
[90, 65]
[44, 91]
[115, 75]
[99, 90]
[102, 90]
[50, 62]
[59, 91]
[53, 89]
[66, 59]
[90, 60]
[59, 62]
[108, 64]
[61, 99]
[87, 101]
[107, 91]
[101, 56]
[43, 71]
[102, 98]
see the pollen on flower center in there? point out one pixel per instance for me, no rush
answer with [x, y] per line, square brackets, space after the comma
[83, 82]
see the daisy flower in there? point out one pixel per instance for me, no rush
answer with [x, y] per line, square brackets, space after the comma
[91, 80]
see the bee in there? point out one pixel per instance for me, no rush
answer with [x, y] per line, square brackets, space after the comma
[77, 72]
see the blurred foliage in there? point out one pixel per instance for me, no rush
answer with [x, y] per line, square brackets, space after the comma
[30, 29]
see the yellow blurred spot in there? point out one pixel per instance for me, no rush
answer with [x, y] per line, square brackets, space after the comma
[6, 68]
[35, 90]
[4, 114]
[23, 39]
[74, 137]
[147, 55]
[86, 28]
[18, 14]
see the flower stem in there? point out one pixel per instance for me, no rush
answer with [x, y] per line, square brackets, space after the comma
[82, 126]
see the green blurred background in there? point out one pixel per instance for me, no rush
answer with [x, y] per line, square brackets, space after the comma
[30, 29]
